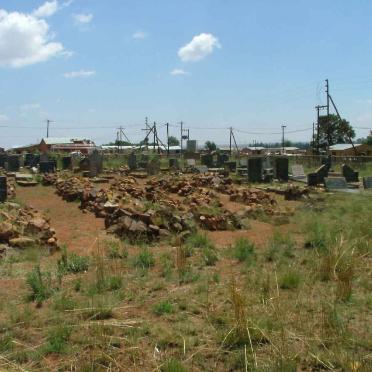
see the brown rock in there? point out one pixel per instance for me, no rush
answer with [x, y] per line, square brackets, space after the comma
[22, 242]
[6, 231]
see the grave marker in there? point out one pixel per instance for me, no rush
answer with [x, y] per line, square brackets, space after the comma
[13, 163]
[47, 166]
[367, 182]
[318, 176]
[95, 163]
[153, 167]
[3, 158]
[335, 183]
[207, 159]
[191, 162]
[349, 174]
[298, 172]
[174, 164]
[281, 168]
[132, 161]
[3, 189]
[254, 169]
[201, 169]
[67, 162]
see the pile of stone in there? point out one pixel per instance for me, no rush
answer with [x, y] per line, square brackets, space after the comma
[148, 225]
[11, 188]
[49, 179]
[73, 188]
[225, 221]
[24, 227]
[128, 186]
[254, 198]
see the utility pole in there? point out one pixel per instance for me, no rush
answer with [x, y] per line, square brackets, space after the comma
[230, 141]
[283, 128]
[181, 136]
[327, 92]
[48, 123]
[167, 125]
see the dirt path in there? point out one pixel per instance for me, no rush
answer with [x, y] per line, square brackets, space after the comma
[76, 230]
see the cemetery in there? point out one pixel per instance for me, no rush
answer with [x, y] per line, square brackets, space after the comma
[153, 243]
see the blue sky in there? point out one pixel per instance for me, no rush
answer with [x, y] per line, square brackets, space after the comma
[91, 66]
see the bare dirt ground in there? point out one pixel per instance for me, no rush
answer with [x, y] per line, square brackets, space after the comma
[77, 230]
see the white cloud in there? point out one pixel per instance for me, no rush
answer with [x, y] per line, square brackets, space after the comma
[30, 106]
[25, 40]
[178, 71]
[82, 19]
[139, 35]
[46, 10]
[198, 48]
[77, 74]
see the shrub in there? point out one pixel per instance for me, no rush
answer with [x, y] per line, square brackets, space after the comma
[244, 250]
[144, 260]
[40, 285]
[58, 339]
[164, 307]
[116, 250]
[290, 280]
[113, 283]
[199, 241]
[209, 256]
[72, 263]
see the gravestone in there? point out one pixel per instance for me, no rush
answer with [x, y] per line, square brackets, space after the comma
[327, 161]
[44, 157]
[153, 167]
[29, 158]
[191, 162]
[207, 159]
[95, 163]
[201, 169]
[243, 163]
[318, 176]
[335, 183]
[132, 161]
[254, 169]
[13, 163]
[84, 164]
[222, 159]
[67, 162]
[298, 172]
[367, 183]
[3, 159]
[231, 165]
[3, 189]
[281, 168]
[174, 164]
[191, 146]
[47, 166]
[349, 174]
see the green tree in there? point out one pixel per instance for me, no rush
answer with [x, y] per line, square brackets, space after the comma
[210, 146]
[368, 140]
[173, 141]
[332, 130]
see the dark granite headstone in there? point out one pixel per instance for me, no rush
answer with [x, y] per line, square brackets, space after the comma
[3, 189]
[47, 166]
[367, 183]
[174, 164]
[95, 163]
[231, 165]
[255, 169]
[67, 162]
[222, 159]
[31, 160]
[207, 160]
[349, 174]
[335, 183]
[281, 168]
[13, 163]
[132, 161]
[3, 159]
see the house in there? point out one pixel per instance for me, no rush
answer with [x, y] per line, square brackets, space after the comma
[66, 144]
[347, 149]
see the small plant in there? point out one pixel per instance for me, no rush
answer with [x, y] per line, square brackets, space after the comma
[166, 264]
[290, 280]
[40, 285]
[144, 260]
[164, 307]
[209, 256]
[173, 365]
[63, 302]
[116, 250]
[197, 240]
[72, 263]
[113, 283]
[244, 250]
[58, 339]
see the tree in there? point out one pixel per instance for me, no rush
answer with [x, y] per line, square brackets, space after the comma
[173, 141]
[368, 140]
[210, 146]
[332, 130]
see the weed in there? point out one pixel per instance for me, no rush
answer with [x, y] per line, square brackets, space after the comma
[243, 250]
[144, 260]
[113, 283]
[290, 279]
[77, 285]
[116, 250]
[173, 365]
[64, 302]
[198, 240]
[166, 264]
[6, 343]
[209, 256]
[40, 285]
[57, 340]
[72, 263]
[164, 307]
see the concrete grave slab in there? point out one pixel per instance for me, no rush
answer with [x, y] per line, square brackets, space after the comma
[335, 183]
[298, 172]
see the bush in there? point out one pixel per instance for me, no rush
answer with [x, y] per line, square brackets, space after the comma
[244, 250]
[209, 256]
[164, 307]
[115, 250]
[290, 280]
[113, 283]
[57, 340]
[40, 285]
[144, 260]
[199, 241]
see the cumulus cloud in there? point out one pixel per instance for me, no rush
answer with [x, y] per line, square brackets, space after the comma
[178, 71]
[77, 74]
[25, 40]
[82, 19]
[46, 10]
[139, 35]
[198, 48]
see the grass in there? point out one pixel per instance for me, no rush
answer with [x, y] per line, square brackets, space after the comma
[162, 308]
[244, 251]
[39, 284]
[144, 259]
[72, 264]
[290, 279]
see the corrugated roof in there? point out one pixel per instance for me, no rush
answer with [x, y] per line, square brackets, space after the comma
[61, 140]
[342, 146]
